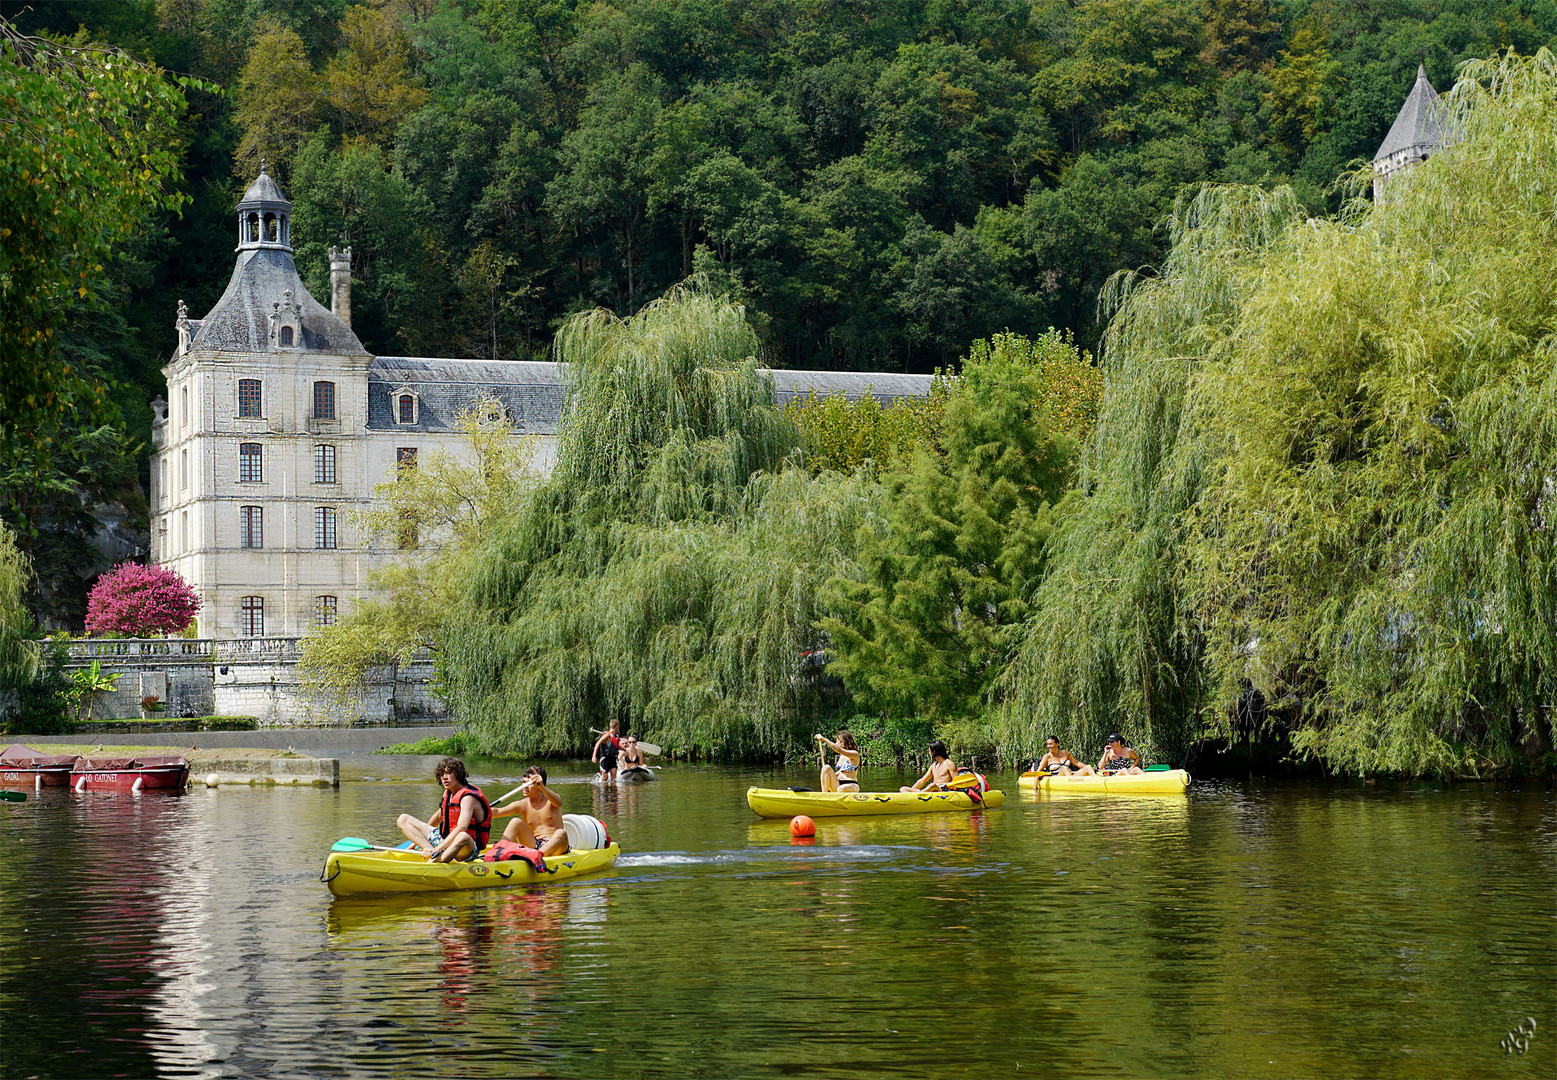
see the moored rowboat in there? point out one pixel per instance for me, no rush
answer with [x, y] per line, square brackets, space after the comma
[22, 766]
[782, 803]
[1163, 782]
[154, 772]
[350, 873]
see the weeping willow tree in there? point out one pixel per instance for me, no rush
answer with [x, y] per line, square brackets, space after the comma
[665, 575]
[1326, 471]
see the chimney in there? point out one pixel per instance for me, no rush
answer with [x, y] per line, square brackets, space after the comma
[340, 284]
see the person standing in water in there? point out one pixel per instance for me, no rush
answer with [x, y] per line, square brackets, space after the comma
[461, 825]
[845, 775]
[939, 775]
[604, 754]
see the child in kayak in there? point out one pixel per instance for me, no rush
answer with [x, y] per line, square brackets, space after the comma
[537, 816]
[1057, 762]
[605, 751]
[941, 773]
[459, 828]
[1119, 759]
[845, 776]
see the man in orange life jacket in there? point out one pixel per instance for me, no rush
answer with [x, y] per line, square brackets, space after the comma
[459, 828]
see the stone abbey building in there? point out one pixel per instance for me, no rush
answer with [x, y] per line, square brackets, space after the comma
[278, 421]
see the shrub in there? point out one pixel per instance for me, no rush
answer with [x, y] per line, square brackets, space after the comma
[141, 601]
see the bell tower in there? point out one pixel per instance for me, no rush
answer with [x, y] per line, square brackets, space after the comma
[264, 215]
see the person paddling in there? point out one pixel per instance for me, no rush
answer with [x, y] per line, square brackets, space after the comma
[537, 816]
[461, 825]
[1118, 758]
[1059, 762]
[941, 773]
[845, 776]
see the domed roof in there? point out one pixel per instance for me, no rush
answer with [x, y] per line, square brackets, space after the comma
[263, 192]
[240, 320]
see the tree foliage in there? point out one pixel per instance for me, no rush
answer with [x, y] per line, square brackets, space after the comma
[1317, 498]
[136, 600]
[666, 573]
[927, 623]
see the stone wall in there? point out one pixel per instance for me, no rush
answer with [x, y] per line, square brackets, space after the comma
[255, 677]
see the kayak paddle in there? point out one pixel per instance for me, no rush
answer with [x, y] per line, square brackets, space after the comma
[13, 796]
[356, 843]
[652, 749]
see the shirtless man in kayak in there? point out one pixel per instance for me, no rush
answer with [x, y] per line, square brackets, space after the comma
[1060, 762]
[940, 774]
[537, 815]
[460, 826]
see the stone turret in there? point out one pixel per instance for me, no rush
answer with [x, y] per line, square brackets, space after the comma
[1416, 134]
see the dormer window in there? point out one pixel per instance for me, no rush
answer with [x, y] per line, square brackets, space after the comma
[286, 322]
[285, 335]
[405, 407]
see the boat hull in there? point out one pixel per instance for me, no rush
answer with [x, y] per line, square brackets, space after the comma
[782, 803]
[22, 766]
[357, 873]
[135, 774]
[635, 775]
[1171, 782]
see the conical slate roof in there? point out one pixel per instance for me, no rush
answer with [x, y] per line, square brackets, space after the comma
[240, 321]
[1419, 123]
[264, 191]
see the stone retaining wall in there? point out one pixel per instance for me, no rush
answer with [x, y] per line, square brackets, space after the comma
[255, 677]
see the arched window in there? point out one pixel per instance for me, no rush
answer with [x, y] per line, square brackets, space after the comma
[324, 401]
[249, 398]
[270, 228]
[253, 234]
[286, 229]
[325, 538]
[286, 337]
[253, 616]
[324, 464]
[324, 610]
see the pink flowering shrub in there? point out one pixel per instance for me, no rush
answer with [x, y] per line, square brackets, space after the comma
[140, 601]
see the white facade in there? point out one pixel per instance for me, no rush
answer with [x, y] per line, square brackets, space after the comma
[278, 423]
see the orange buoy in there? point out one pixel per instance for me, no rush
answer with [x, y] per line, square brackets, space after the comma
[800, 825]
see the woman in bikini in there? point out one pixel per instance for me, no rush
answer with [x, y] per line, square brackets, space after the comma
[1119, 758]
[1059, 762]
[845, 775]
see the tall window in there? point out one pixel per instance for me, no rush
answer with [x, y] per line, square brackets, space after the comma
[166, 495]
[183, 531]
[405, 458]
[407, 407]
[253, 616]
[249, 398]
[324, 401]
[183, 469]
[324, 611]
[286, 337]
[251, 532]
[183, 406]
[324, 464]
[251, 463]
[324, 527]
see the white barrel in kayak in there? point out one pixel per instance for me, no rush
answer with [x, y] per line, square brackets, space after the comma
[585, 833]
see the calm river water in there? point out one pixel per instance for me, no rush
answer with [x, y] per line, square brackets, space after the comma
[1250, 929]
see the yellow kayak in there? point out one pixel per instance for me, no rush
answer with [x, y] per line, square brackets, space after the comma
[349, 873]
[782, 803]
[1169, 782]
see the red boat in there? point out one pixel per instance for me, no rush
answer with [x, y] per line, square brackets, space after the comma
[156, 772]
[22, 766]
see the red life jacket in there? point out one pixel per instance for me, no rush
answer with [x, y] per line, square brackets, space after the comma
[480, 831]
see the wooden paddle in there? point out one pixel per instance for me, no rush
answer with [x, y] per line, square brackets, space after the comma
[13, 796]
[652, 749]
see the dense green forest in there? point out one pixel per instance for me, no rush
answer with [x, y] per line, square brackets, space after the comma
[878, 186]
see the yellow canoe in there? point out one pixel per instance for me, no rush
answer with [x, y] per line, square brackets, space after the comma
[1169, 782]
[350, 873]
[782, 803]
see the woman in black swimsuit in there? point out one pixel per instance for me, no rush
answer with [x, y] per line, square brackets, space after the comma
[1119, 758]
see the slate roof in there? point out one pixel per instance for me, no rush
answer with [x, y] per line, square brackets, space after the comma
[263, 190]
[532, 391]
[1419, 123]
[240, 320]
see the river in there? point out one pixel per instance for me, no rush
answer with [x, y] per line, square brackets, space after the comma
[1269, 929]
